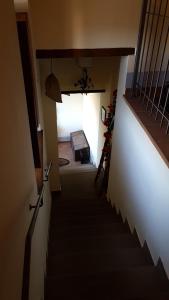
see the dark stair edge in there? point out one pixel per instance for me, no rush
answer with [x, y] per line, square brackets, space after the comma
[161, 269]
[159, 265]
[147, 252]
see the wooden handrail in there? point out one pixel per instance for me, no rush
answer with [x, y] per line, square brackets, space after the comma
[28, 241]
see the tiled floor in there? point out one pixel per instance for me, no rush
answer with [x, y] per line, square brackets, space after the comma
[65, 151]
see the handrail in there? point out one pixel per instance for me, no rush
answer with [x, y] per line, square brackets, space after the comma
[28, 241]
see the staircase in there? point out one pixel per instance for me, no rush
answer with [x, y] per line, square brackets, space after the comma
[92, 254]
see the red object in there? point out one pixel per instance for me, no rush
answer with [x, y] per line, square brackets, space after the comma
[107, 135]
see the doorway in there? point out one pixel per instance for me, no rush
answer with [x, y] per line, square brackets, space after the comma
[78, 123]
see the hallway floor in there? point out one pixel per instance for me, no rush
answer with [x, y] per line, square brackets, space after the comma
[92, 255]
[65, 151]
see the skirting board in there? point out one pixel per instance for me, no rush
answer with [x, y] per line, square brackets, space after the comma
[64, 139]
[159, 264]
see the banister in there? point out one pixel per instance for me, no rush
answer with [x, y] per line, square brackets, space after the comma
[28, 240]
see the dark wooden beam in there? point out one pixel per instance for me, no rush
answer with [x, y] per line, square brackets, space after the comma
[80, 91]
[68, 53]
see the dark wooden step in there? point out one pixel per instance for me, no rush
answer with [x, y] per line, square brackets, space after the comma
[85, 212]
[82, 191]
[91, 252]
[79, 204]
[160, 296]
[75, 263]
[91, 243]
[63, 231]
[130, 282]
[84, 218]
[78, 179]
[71, 197]
[82, 207]
[82, 200]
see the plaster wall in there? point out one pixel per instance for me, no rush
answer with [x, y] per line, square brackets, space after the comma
[138, 179]
[65, 24]
[18, 184]
[69, 115]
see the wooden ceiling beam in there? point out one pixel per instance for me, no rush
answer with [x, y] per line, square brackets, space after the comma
[69, 53]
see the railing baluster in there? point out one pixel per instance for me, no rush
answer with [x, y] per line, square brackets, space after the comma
[153, 49]
[152, 61]
[159, 44]
[149, 51]
[139, 43]
[144, 43]
[159, 72]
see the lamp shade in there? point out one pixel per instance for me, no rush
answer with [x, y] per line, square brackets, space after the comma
[53, 88]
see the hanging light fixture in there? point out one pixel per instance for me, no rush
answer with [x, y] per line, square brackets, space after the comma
[85, 82]
[52, 86]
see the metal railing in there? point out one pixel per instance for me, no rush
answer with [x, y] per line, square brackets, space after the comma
[28, 241]
[151, 74]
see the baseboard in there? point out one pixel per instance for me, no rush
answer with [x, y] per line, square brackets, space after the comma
[145, 247]
[64, 139]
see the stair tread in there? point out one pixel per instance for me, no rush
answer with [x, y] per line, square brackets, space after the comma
[140, 281]
[160, 296]
[81, 262]
[91, 252]
[84, 219]
[74, 231]
[101, 242]
[92, 208]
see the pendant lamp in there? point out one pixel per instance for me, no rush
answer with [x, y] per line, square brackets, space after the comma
[52, 87]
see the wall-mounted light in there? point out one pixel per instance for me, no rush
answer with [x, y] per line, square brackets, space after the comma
[53, 87]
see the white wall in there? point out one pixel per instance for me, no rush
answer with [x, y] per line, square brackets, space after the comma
[69, 115]
[49, 115]
[18, 184]
[69, 24]
[91, 115]
[138, 183]
[77, 24]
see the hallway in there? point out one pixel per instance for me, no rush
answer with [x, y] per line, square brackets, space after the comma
[92, 254]
[65, 151]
